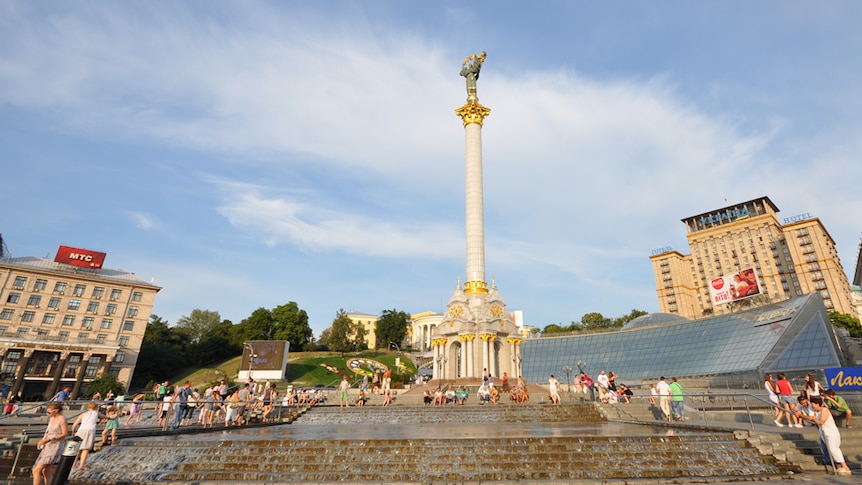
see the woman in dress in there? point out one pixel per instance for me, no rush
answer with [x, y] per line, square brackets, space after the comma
[829, 434]
[50, 444]
[86, 426]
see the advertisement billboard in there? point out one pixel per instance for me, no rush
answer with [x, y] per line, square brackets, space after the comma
[264, 359]
[730, 288]
[80, 257]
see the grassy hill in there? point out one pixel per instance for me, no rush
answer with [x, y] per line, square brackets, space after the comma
[307, 369]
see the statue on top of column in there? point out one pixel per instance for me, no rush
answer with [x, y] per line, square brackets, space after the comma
[470, 71]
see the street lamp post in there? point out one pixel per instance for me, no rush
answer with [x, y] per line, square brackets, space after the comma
[568, 371]
[393, 344]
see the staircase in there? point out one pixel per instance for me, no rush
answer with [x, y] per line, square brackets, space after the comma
[451, 444]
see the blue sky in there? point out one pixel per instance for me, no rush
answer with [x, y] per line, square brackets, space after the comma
[247, 154]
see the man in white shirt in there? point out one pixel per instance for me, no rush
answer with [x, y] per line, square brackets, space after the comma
[663, 389]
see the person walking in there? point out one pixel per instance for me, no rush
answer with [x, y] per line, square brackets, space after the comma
[677, 400]
[86, 426]
[664, 397]
[343, 389]
[50, 444]
[554, 390]
[829, 434]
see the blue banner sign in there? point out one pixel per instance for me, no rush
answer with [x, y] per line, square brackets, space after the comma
[844, 378]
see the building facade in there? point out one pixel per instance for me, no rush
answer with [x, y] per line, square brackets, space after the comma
[791, 257]
[64, 325]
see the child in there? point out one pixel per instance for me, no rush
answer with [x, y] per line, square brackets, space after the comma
[111, 425]
[653, 392]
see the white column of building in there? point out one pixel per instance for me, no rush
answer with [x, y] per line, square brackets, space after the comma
[471, 369]
[475, 208]
[492, 362]
[463, 366]
[485, 363]
[434, 362]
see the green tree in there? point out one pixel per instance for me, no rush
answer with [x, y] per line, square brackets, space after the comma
[104, 383]
[594, 320]
[844, 320]
[213, 346]
[391, 327]
[553, 328]
[359, 342]
[198, 323]
[621, 321]
[340, 333]
[291, 324]
[163, 351]
[260, 325]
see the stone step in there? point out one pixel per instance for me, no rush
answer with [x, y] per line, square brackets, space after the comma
[452, 414]
[425, 460]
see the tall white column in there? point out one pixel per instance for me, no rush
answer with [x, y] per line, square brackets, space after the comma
[475, 207]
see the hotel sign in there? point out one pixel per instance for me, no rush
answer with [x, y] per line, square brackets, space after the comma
[729, 215]
[797, 218]
[83, 258]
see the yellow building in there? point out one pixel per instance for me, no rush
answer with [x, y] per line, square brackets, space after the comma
[791, 256]
[369, 323]
[64, 325]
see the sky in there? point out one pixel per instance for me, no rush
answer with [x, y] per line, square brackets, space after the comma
[248, 154]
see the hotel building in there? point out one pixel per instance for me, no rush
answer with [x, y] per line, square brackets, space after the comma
[65, 322]
[791, 257]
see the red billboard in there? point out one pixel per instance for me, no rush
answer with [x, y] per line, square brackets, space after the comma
[80, 257]
[726, 289]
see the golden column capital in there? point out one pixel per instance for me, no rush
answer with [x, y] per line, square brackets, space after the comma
[488, 336]
[473, 113]
[475, 288]
[514, 340]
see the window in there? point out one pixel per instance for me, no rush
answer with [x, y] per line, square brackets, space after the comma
[101, 338]
[119, 356]
[69, 320]
[40, 285]
[19, 282]
[97, 292]
[106, 322]
[23, 331]
[128, 325]
[87, 322]
[114, 370]
[7, 314]
[63, 336]
[3, 330]
[133, 311]
[34, 300]
[124, 341]
[83, 337]
[93, 307]
[28, 316]
[60, 287]
[111, 309]
[93, 366]
[49, 318]
[42, 334]
[11, 363]
[74, 304]
[116, 294]
[136, 296]
[54, 303]
[13, 298]
[79, 290]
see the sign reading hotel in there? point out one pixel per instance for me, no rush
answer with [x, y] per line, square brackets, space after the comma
[83, 258]
[727, 289]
